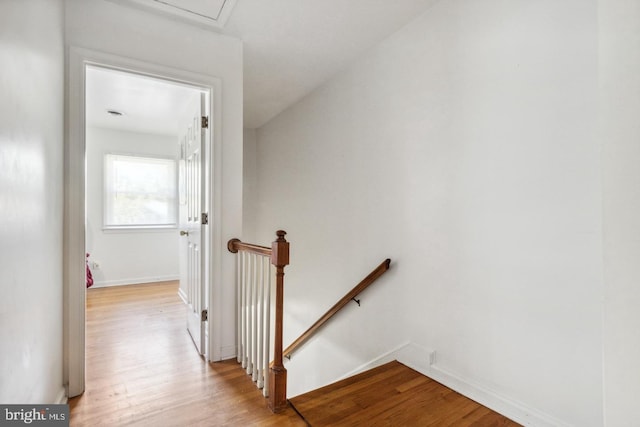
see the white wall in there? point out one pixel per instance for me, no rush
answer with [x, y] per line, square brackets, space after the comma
[250, 185]
[619, 106]
[463, 147]
[31, 138]
[114, 29]
[126, 256]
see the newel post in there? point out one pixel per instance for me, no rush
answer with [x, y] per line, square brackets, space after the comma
[278, 383]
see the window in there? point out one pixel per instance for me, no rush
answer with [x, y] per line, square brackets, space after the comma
[140, 192]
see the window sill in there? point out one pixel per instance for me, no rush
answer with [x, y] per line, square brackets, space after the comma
[141, 229]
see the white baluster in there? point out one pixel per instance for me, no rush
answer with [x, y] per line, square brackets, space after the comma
[239, 306]
[244, 310]
[247, 292]
[249, 314]
[254, 320]
[260, 373]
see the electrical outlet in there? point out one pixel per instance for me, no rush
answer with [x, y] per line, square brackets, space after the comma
[432, 358]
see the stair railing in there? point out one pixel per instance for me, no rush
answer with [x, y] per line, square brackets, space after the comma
[253, 291]
[351, 295]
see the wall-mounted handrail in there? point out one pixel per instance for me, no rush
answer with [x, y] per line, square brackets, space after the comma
[276, 382]
[235, 245]
[364, 284]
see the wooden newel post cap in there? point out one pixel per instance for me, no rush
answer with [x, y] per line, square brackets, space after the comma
[280, 250]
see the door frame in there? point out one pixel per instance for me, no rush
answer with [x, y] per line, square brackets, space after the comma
[74, 202]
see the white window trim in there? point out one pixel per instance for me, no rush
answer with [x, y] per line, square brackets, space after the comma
[118, 228]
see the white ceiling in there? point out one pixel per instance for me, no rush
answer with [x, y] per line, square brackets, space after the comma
[147, 105]
[290, 48]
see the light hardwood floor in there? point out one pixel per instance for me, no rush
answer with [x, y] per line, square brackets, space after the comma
[143, 369]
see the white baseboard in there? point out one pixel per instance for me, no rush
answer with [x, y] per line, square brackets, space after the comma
[224, 353]
[134, 281]
[228, 352]
[61, 398]
[423, 360]
[380, 360]
[183, 295]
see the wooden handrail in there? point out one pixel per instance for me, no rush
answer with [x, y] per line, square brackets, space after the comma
[235, 245]
[364, 284]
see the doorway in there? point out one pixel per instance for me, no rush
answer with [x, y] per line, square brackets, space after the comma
[78, 227]
[143, 168]
[131, 136]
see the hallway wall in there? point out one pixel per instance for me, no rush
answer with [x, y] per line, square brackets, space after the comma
[31, 196]
[250, 184]
[464, 147]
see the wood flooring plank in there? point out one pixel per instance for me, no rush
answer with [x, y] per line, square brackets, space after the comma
[413, 383]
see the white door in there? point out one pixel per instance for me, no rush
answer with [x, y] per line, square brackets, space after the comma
[192, 221]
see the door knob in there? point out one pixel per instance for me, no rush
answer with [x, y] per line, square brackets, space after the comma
[184, 233]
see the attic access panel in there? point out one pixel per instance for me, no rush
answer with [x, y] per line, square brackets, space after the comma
[212, 13]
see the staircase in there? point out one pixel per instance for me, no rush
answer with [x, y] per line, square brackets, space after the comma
[390, 395]
[393, 395]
